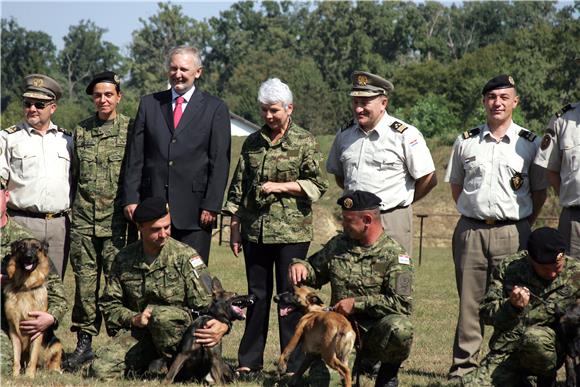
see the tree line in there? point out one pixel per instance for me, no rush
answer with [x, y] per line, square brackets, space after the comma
[437, 56]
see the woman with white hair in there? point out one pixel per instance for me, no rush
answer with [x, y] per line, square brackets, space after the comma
[277, 179]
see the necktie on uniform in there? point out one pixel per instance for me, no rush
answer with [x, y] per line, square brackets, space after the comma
[178, 111]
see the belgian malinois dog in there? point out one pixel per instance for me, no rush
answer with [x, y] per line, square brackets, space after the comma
[324, 334]
[27, 271]
[203, 362]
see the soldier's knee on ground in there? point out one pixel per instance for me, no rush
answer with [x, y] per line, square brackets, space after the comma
[395, 333]
[167, 326]
[537, 350]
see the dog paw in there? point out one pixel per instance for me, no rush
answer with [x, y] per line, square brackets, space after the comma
[282, 366]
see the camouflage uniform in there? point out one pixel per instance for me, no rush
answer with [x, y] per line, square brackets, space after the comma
[379, 277]
[57, 304]
[172, 285]
[524, 341]
[99, 228]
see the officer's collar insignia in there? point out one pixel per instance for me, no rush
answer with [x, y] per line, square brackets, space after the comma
[511, 81]
[347, 203]
[517, 181]
[545, 142]
[362, 80]
[38, 82]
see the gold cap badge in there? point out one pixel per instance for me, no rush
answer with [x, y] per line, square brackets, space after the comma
[511, 80]
[362, 80]
[117, 79]
[37, 82]
[348, 203]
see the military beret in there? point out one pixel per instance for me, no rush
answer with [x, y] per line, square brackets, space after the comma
[151, 209]
[359, 201]
[545, 244]
[106, 77]
[500, 82]
[368, 85]
[41, 87]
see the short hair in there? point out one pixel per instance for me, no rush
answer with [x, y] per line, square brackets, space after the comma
[184, 49]
[275, 91]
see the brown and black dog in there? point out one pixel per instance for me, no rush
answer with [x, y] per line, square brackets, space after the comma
[324, 334]
[570, 330]
[202, 362]
[27, 271]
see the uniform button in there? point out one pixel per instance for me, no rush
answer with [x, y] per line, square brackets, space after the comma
[170, 163]
[166, 186]
[173, 141]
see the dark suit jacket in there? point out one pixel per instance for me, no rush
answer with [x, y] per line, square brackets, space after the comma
[187, 165]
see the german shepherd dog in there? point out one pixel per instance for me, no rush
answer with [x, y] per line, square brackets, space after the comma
[203, 362]
[27, 270]
[570, 330]
[324, 334]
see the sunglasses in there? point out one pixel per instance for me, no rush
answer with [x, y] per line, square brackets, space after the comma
[38, 104]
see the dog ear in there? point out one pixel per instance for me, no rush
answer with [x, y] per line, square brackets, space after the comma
[216, 285]
[11, 267]
[313, 299]
[44, 245]
[14, 247]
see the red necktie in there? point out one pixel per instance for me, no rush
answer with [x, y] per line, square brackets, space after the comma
[178, 111]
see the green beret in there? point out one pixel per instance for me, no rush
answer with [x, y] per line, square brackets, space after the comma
[500, 82]
[41, 87]
[151, 209]
[359, 201]
[106, 77]
[545, 244]
[369, 85]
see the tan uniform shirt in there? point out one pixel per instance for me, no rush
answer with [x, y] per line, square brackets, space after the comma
[36, 167]
[560, 152]
[497, 176]
[386, 161]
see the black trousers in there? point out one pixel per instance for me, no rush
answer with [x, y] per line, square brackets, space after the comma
[260, 259]
[200, 240]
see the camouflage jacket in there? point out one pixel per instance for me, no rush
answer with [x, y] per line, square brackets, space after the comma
[510, 322]
[173, 279]
[379, 277]
[279, 218]
[97, 162]
[57, 302]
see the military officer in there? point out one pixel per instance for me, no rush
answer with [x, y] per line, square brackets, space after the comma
[153, 286]
[371, 277]
[381, 154]
[99, 228]
[38, 321]
[525, 292]
[499, 193]
[35, 163]
[559, 154]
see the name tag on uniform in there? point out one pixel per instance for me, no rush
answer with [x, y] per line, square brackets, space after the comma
[404, 260]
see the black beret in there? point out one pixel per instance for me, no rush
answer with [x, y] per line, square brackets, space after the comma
[106, 77]
[359, 201]
[500, 82]
[545, 244]
[151, 209]
[368, 85]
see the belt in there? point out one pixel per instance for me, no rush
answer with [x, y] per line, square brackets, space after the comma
[393, 209]
[40, 215]
[493, 222]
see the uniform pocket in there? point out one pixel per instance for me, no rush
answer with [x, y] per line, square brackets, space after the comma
[24, 163]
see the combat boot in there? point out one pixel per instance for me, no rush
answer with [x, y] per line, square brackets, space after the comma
[387, 376]
[82, 353]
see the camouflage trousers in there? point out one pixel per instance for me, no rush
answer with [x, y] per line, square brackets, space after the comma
[130, 352]
[90, 256]
[536, 353]
[388, 341]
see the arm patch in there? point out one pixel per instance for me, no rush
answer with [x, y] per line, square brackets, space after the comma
[403, 284]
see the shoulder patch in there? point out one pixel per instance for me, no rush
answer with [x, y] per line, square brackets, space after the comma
[399, 126]
[404, 259]
[347, 125]
[65, 131]
[12, 129]
[471, 133]
[530, 136]
[564, 110]
[403, 284]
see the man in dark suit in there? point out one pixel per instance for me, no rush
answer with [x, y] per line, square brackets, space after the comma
[180, 150]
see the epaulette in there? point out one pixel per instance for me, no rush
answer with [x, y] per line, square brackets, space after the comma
[530, 136]
[471, 133]
[65, 131]
[399, 126]
[12, 129]
[348, 125]
[564, 110]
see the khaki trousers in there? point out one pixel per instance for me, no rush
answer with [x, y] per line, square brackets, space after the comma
[477, 249]
[398, 224]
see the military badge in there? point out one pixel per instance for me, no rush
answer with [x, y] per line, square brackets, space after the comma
[347, 203]
[403, 285]
[404, 259]
[117, 79]
[511, 81]
[38, 82]
[362, 80]
[517, 181]
[545, 142]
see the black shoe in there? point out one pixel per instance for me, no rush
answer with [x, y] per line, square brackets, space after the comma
[249, 376]
[387, 376]
[82, 354]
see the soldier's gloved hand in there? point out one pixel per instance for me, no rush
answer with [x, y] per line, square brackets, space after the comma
[520, 297]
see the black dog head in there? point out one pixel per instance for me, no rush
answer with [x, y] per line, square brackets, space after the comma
[570, 326]
[27, 251]
[228, 306]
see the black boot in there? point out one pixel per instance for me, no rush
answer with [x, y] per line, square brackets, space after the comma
[82, 353]
[387, 376]
[548, 380]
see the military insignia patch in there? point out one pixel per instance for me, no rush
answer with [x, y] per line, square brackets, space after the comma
[403, 284]
[398, 126]
[404, 259]
[362, 80]
[117, 79]
[38, 82]
[471, 133]
[347, 203]
[516, 181]
[196, 262]
[545, 142]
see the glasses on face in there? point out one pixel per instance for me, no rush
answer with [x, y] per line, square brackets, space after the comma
[38, 104]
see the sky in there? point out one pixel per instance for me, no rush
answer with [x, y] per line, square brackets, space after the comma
[120, 18]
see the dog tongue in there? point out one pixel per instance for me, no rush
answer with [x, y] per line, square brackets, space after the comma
[285, 311]
[239, 311]
[28, 266]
